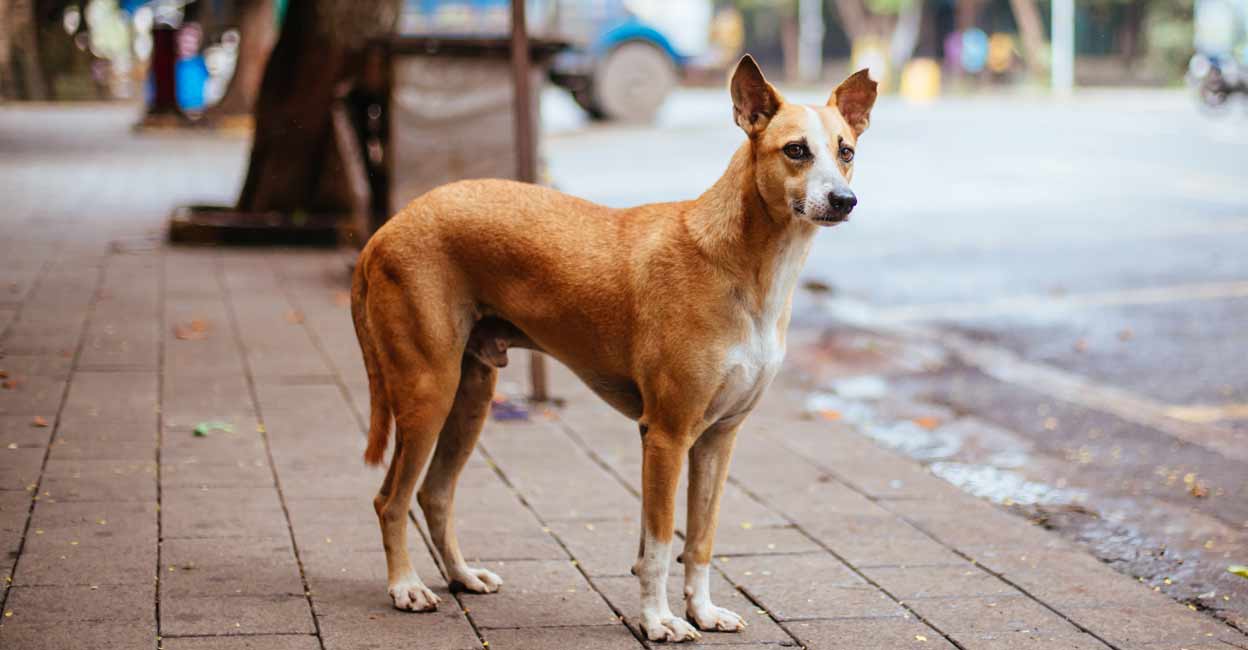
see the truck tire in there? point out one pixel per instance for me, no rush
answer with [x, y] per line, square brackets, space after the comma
[632, 81]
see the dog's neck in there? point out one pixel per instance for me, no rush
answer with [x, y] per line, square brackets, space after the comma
[736, 231]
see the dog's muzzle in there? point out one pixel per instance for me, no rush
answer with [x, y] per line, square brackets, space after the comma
[840, 204]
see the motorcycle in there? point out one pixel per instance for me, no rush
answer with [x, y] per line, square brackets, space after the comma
[1217, 79]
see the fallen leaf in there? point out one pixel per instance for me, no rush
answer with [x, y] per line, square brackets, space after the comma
[829, 414]
[294, 316]
[39, 421]
[1238, 569]
[204, 428]
[196, 330]
[1125, 334]
[927, 422]
[4, 374]
[9, 384]
[920, 637]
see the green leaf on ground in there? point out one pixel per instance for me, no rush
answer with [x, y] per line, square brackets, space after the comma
[1239, 570]
[204, 428]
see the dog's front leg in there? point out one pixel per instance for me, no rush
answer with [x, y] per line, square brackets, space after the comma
[708, 470]
[662, 458]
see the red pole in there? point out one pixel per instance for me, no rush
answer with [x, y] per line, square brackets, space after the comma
[526, 154]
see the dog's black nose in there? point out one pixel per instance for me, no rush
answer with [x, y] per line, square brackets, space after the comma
[842, 202]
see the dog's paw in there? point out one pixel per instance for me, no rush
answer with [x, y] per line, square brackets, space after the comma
[669, 628]
[477, 581]
[714, 618]
[413, 596]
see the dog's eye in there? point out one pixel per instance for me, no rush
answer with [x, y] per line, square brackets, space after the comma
[796, 150]
[847, 155]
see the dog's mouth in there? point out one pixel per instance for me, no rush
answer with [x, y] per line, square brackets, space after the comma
[830, 219]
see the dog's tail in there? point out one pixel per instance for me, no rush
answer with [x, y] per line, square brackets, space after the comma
[379, 402]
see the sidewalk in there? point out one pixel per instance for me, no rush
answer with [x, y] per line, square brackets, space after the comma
[125, 529]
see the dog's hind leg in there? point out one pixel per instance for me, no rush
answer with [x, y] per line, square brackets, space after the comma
[420, 379]
[455, 444]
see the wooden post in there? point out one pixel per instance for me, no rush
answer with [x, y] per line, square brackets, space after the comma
[526, 154]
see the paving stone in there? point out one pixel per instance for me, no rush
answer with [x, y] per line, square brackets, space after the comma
[909, 583]
[239, 445]
[538, 594]
[893, 633]
[386, 628]
[349, 523]
[192, 473]
[77, 636]
[759, 540]
[1005, 620]
[99, 480]
[879, 541]
[82, 565]
[101, 398]
[258, 642]
[17, 431]
[624, 593]
[20, 468]
[343, 581]
[18, 366]
[222, 512]
[601, 637]
[224, 615]
[32, 395]
[58, 605]
[92, 524]
[248, 566]
[71, 449]
[1129, 626]
[118, 337]
[191, 399]
[808, 586]
[603, 548]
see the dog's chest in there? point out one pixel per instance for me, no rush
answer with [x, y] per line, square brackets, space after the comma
[752, 361]
[748, 368]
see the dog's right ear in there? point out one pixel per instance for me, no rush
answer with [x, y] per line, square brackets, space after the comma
[754, 101]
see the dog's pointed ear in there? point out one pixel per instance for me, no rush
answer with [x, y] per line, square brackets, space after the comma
[854, 99]
[754, 101]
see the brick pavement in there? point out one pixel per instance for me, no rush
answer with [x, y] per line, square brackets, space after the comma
[123, 529]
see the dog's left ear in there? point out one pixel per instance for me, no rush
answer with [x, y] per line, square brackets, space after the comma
[754, 101]
[854, 99]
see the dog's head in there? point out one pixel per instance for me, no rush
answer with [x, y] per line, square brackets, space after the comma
[803, 155]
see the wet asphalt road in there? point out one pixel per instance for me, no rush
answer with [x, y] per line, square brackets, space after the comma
[1047, 302]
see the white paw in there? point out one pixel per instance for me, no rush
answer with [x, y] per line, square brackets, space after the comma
[669, 628]
[478, 581]
[711, 617]
[413, 596]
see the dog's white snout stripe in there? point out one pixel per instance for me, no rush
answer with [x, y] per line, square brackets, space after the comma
[825, 176]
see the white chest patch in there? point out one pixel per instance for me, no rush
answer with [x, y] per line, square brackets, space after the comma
[751, 364]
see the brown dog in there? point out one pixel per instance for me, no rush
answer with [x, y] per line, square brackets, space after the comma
[674, 313]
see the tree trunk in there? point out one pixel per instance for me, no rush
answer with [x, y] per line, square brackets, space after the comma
[23, 75]
[790, 46]
[1131, 31]
[294, 164]
[1031, 32]
[853, 18]
[257, 34]
[968, 13]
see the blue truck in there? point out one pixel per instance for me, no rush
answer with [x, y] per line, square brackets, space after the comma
[626, 56]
